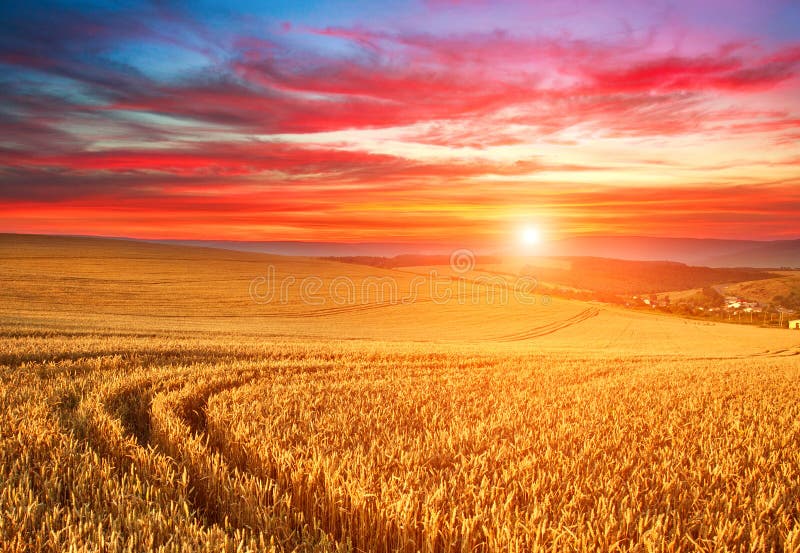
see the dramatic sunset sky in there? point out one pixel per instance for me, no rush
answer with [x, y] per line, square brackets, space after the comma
[422, 121]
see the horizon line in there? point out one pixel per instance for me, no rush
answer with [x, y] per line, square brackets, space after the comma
[414, 243]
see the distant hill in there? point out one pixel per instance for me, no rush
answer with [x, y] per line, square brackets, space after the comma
[706, 252]
[408, 260]
[693, 251]
[315, 249]
[625, 277]
[606, 276]
[785, 253]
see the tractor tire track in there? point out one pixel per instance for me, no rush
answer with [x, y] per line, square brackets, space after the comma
[551, 328]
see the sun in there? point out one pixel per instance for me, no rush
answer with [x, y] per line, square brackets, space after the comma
[530, 235]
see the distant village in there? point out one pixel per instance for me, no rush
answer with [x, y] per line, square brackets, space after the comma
[711, 303]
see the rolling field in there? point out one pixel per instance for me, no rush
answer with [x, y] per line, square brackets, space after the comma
[158, 398]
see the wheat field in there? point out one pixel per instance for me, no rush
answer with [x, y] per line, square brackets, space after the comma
[147, 403]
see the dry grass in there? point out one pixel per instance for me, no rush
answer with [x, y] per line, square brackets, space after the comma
[271, 431]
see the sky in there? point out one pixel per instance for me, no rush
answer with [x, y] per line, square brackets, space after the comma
[426, 121]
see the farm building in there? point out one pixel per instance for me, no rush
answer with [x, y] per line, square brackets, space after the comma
[795, 324]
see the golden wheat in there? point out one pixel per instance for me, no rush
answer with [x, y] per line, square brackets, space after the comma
[431, 428]
[379, 447]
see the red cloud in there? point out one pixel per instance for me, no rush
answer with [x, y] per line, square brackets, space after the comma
[406, 79]
[217, 159]
[703, 73]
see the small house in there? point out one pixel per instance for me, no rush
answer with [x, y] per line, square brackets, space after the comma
[795, 324]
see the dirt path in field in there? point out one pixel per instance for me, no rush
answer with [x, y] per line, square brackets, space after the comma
[788, 352]
[548, 329]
